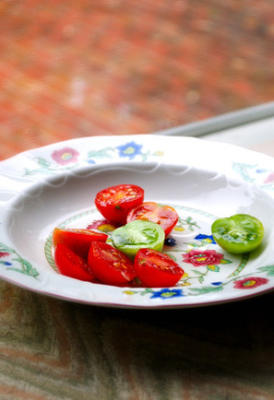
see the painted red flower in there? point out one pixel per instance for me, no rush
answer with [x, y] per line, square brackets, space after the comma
[206, 257]
[4, 254]
[65, 156]
[102, 225]
[269, 178]
[250, 283]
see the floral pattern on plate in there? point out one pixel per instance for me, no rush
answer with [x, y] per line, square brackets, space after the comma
[207, 268]
[211, 275]
[12, 261]
[253, 173]
[67, 158]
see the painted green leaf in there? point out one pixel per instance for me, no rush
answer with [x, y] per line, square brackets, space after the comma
[42, 170]
[225, 261]
[106, 152]
[146, 291]
[26, 267]
[214, 268]
[4, 248]
[269, 269]
[197, 272]
[43, 162]
[244, 170]
[27, 171]
[205, 290]
[145, 156]
[200, 277]
[189, 222]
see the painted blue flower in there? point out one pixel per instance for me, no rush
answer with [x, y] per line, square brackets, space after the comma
[7, 263]
[167, 293]
[206, 238]
[91, 161]
[130, 150]
[216, 283]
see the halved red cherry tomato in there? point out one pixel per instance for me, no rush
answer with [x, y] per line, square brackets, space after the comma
[155, 269]
[110, 265]
[77, 240]
[72, 265]
[115, 202]
[163, 215]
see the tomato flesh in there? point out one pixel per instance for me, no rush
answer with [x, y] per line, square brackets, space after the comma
[240, 233]
[136, 235]
[78, 240]
[155, 269]
[115, 202]
[109, 265]
[71, 264]
[163, 215]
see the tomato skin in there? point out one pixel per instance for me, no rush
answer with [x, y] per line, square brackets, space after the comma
[78, 240]
[156, 269]
[163, 215]
[240, 233]
[71, 264]
[109, 265]
[115, 202]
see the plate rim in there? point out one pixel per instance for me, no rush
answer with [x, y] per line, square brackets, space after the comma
[123, 138]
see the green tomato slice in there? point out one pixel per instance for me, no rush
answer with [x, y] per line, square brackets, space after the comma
[137, 235]
[240, 233]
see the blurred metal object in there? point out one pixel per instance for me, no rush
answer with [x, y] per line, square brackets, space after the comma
[222, 122]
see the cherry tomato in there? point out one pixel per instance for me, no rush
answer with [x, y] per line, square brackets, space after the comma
[163, 215]
[115, 202]
[155, 269]
[240, 233]
[109, 265]
[136, 235]
[72, 265]
[77, 240]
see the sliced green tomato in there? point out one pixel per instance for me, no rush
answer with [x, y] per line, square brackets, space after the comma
[138, 235]
[240, 233]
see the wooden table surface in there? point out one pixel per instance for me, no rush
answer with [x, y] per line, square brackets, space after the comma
[53, 350]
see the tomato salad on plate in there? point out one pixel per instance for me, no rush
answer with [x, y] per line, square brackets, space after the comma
[132, 253]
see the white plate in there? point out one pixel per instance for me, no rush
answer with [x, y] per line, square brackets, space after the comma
[56, 185]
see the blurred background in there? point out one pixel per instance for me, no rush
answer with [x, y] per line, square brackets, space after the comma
[87, 67]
